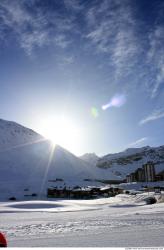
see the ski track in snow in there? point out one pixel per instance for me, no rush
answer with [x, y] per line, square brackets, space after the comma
[107, 218]
[81, 226]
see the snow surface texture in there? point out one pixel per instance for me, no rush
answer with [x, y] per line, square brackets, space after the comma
[121, 221]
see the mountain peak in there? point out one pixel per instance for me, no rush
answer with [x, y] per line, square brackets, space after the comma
[91, 158]
[13, 134]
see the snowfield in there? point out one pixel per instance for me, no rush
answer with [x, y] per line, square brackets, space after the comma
[30, 164]
[121, 221]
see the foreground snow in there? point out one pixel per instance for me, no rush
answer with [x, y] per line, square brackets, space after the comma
[112, 222]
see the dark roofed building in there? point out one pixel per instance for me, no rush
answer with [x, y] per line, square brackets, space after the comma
[145, 174]
[149, 171]
[140, 174]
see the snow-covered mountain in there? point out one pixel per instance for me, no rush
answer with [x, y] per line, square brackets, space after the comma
[91, 158]
[29, 163]
[13, 134]
[123, 163]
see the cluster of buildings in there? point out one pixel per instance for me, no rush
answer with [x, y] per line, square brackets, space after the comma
[145, 174]
[83, 192]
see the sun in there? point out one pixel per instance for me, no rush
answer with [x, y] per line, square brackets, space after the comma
[62, 131]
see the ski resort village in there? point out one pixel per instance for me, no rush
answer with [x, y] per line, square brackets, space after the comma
[82, 123]
[50, 197]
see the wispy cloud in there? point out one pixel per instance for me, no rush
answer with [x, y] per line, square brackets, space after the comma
[156, 58]
[36, 28]
[156, 114]
[138, 142]
[62, 41]
[66, 61]
[113, 31]
[75, 5]
[109, 28]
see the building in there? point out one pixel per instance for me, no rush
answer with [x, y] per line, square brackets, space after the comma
[145, 174]
[140, 175]
[83, 192]
[131, 177]
[160, 176]
[149, 171]
[128, 178]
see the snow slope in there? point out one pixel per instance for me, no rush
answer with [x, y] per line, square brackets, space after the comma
[123, 163]
[29, 163]
[121, 221]
[91, 158]
[12, 135]
[33, 168]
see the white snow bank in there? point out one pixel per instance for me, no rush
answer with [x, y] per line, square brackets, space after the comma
[59, 205]
[110, 224]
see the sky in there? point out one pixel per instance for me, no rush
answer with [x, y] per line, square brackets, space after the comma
[97, 63]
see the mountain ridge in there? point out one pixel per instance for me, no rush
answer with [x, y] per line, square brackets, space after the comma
[29, 162]
[91, 158]
[13, 134]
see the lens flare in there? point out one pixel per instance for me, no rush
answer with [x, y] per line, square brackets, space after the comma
[94, 112]
[116, 101]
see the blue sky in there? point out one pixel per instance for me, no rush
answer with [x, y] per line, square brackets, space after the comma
[75, 57]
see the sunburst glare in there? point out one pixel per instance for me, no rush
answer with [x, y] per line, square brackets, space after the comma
[61, 130]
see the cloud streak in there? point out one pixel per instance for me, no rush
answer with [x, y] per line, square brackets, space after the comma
[74, 5]
[107, 28]
[113, 31]
[156, 58]
[37, 28]
[156, 114]
[138, 142]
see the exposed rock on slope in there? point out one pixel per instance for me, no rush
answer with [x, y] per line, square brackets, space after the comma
[127, 161]
[91, 158]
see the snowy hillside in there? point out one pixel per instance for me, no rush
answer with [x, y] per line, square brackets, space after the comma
[33, 168]
[91, 158]
[13, 134]
[29, 163]
[123, 163]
